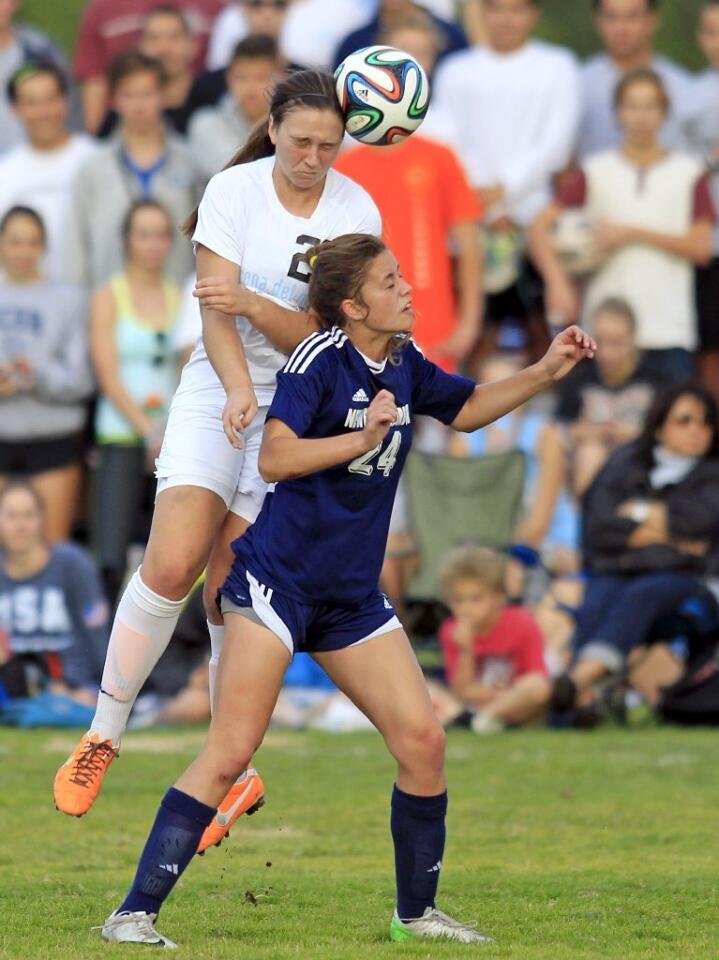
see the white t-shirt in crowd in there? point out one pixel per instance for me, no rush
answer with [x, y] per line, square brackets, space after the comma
[313, 29]
[667, 197]
[518, 114]
[228, 29]
[43, 180]
[241, 219]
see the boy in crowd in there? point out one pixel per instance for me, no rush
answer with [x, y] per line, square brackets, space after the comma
[142, 160]
[216, 133]
[493, 653]
[111, 27]
[605, 404]
[18, 45]
[40, 173]
[168, 38]
[627, 29]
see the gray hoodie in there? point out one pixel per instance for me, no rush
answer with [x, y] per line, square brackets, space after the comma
[46, 325]
[104, 190]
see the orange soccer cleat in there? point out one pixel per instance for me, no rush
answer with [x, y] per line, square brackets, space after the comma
[78, 781]
[247, 795]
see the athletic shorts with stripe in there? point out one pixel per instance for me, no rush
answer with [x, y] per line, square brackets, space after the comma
[195, 452]
[306, 627]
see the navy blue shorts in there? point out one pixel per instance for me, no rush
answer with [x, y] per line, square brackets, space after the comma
[307, 627]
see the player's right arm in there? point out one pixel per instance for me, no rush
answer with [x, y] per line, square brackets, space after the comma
[286, 456]
[284, 328]
[225, 350]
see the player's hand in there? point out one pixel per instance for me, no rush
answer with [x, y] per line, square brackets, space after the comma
[225, 295]
[240, 410]
[381, 414]
[565, 351]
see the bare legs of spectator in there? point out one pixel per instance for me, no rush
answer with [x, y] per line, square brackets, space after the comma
[524, 701]
[588, 457]
[59, 490]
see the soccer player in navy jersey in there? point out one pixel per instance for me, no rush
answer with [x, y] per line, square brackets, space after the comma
[305, 575]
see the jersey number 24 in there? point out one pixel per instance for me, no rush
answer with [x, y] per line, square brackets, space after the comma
[364, 466]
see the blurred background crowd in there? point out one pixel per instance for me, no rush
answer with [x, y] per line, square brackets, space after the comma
[563, 562]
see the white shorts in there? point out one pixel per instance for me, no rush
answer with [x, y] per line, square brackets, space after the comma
[195, 452]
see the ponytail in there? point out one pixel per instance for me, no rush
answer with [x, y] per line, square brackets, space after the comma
[303, 88]
[257, 146]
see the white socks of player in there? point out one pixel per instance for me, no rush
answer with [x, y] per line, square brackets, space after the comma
[143, 625]
[217, 636]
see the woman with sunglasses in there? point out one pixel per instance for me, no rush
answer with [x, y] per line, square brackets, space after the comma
[651, 536]
[131, 321]
[276, 198]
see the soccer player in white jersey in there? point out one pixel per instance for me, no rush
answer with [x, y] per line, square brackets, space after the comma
[257, 219]
[306, 574]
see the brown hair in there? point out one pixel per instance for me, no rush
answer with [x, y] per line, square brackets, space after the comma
[339, 270]
[129, 65]
[474, 563]
[303, 88]
[642, 75]
[30, 213]
[142, 204]
[618, 307]
[13, 485]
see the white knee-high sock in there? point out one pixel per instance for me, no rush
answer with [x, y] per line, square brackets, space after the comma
[143, 625]
[217, 637]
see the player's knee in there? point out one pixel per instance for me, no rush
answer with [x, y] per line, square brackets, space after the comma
[172, 578]
[233, 762]
[423, 745]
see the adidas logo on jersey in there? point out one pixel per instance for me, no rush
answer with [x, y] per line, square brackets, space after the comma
[360, 397]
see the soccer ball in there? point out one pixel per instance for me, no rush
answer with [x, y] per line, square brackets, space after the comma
[384, 94]
[574, 240]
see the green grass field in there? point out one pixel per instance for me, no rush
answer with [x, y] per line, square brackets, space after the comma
[564, 846]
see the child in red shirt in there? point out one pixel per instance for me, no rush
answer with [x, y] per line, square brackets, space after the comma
[493, 653]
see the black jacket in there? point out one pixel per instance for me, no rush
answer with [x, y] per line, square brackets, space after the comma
[693, 514]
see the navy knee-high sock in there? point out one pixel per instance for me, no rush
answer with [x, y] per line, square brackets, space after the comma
[173, 841]
[418, 833]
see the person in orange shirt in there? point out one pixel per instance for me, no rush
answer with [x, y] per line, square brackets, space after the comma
[430, 214]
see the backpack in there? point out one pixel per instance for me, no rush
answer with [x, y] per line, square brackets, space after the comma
[694, 699]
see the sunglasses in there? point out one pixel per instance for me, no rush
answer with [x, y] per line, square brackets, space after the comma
[258, 4]
[161, 355]
[684, 419]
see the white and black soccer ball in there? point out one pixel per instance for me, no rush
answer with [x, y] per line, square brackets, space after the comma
[384, 94]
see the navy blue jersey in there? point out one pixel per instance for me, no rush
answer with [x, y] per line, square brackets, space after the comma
[322, 537]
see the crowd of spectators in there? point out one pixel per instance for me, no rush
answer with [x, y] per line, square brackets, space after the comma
[541, 190]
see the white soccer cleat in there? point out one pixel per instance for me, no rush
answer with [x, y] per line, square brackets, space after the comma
[435, 925]
[137, 927]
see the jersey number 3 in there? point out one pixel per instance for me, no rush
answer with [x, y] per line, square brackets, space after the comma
[363, 465]
[298, 260]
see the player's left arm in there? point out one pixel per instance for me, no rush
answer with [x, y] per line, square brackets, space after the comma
[490, 401]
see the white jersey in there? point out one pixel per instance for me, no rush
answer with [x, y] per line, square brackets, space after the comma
[241, 219]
